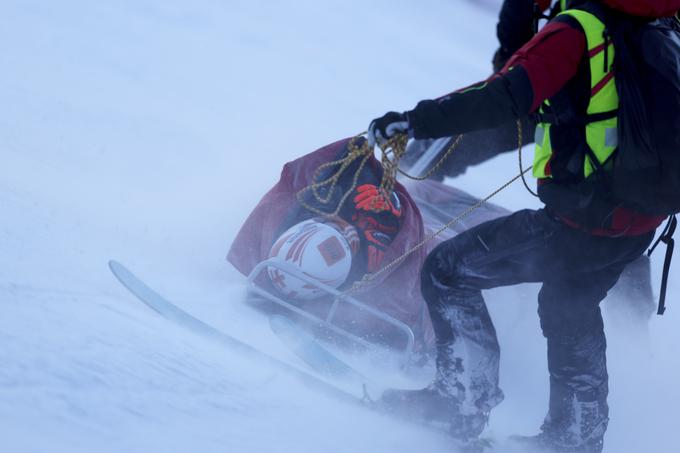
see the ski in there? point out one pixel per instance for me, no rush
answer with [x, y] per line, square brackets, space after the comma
[173, 313]
[349, 385]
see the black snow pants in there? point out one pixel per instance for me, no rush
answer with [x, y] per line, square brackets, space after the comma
[576, 270]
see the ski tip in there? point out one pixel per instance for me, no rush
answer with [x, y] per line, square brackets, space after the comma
[119, 271]
[116, 268]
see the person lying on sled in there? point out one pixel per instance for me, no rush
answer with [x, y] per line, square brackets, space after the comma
[338, 233]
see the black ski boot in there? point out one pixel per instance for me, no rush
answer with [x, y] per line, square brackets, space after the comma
[428, 404]
[434, 407]
[576, 421]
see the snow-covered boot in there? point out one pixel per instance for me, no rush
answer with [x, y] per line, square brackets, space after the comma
[428, 404]
[577, 420]
[576, 423]
[434, 406]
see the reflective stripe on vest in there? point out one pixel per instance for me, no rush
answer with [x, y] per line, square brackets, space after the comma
[601, 136]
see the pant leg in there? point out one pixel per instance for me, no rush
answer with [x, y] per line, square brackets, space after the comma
[571, 321]
[572, 324]
[577, 270]
[504, 251]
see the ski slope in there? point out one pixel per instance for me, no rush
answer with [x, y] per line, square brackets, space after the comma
[145, 131]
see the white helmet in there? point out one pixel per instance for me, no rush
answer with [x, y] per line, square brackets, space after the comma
[319, 248]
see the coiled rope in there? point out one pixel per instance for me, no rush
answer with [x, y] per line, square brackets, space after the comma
[392, 151]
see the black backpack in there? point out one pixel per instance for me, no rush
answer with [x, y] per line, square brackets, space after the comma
[645, 170]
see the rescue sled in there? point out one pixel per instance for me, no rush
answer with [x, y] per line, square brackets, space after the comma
[388, 316]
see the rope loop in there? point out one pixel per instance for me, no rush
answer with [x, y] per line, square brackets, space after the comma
[392, 151]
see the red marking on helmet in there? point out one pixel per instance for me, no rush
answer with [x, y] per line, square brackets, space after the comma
[302, 244]
[277, 246]
[331, 251]
[347, 231]
[277, 278]
[295, 251]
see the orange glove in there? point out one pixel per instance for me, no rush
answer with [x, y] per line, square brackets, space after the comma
[378, 219]
[371, 198]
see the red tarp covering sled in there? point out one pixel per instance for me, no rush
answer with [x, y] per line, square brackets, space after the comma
[426, 206]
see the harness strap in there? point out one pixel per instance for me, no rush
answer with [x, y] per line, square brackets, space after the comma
[599, 166]
[548, 117]
[595, 117]
[667, 238]
[554, 11]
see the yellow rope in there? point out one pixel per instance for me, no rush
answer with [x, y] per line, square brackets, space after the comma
[392, 151]
[354, 153]
[439, 163]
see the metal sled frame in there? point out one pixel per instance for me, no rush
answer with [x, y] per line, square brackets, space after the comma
[338, 298]
[426, 160]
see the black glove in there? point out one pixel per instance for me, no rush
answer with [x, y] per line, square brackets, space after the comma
[387, 126]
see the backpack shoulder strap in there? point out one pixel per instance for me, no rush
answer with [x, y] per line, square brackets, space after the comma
[602, 110]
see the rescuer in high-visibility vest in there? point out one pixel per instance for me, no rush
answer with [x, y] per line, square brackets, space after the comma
[631, 303]
[576, 247]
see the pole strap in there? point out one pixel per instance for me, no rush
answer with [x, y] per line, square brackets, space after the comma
[667, 238]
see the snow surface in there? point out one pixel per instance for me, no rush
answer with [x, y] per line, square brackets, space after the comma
[145, 130]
